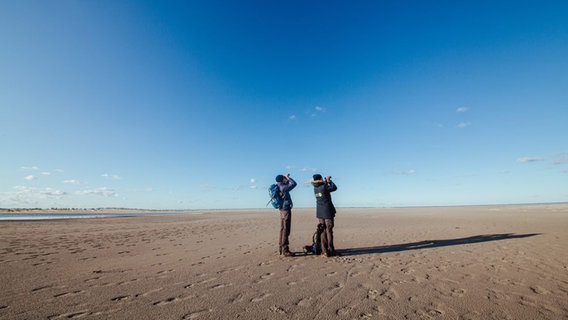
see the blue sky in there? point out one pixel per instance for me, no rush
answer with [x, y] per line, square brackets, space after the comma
[200, 104]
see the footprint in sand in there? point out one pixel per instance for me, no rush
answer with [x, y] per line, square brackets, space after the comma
[539, 290]
[343, 311]
[162, 302]
[390, 294]
[266, 276]
[354, 274]
[65, 294]
[306, 302]
[292, 268]
[75, 314]
[236, 298]
[258, 299]
[222, 285]
[276, 309]
[165, 271]
[435, 310]
[87, 258]
[372, 294]
[196, 314]
[458, 293]
[41, 288]
[120, 298]
[407, 270]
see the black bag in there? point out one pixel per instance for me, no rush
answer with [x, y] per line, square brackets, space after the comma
[315, 247]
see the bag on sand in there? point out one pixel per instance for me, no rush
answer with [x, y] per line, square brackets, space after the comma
[276, 197]
[315, 247]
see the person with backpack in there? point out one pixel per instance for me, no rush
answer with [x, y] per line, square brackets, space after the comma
[285, 185]
[325, 212]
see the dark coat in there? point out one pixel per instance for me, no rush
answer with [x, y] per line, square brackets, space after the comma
[324, 206]
[285, 187]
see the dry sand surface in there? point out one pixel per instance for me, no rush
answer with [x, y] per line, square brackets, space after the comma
[486, 262]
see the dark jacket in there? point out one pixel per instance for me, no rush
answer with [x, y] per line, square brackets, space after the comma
[324, 205]
[285, 187]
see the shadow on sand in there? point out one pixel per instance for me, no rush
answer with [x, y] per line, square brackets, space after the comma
[433, 244]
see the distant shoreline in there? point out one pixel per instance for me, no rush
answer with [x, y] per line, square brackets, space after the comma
[88, 211]
[113, 210]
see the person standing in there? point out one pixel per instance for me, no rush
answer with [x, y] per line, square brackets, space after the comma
[285, 185]
[325, 212]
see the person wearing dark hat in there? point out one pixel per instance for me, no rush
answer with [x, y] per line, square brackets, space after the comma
[325, 212]
[285, 184]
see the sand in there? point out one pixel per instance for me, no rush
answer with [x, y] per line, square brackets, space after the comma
[481, 262]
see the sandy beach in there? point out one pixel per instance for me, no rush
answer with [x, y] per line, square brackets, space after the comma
[479, 262]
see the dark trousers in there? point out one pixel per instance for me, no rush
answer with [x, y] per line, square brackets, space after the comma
[285, 224]
[327, 236]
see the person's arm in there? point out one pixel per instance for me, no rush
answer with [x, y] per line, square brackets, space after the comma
[291, 184]
[330, 186]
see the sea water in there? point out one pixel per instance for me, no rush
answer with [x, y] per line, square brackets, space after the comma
[52, 216]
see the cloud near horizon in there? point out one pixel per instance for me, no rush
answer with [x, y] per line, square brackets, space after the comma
[29, 168]
[72, 181]
[111, 176]
[52, 193]
[529, 159]
[23, 195]
[103, 191]
[560, 158]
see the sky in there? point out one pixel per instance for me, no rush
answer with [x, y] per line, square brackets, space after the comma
[200, 104]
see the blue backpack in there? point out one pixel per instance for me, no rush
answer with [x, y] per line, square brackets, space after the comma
[276, 197]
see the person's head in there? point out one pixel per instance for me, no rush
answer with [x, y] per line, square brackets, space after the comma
[279, 178]
[317, 177]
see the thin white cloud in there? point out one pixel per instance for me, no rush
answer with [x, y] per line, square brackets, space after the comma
[529, 159]
[462, 109]
[103, 191]
[462, 125]
[207, 187]
[111, 176]
[72, 181]
[292, 117]
[23, 196]
[29, 168]
[141, 190]
[560, 158]
[30, 177]
[52, 193]
[407, 172]
[253, 187]
[316, 110]
[252, 180]
[308, 170]
[45, 173]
